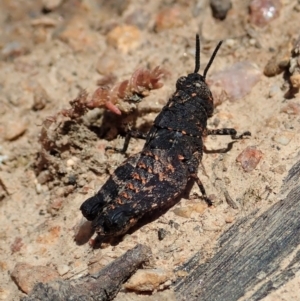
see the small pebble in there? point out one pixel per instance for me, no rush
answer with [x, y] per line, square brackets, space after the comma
[284, 137]
[139, 18]
[148, 280]
[54, 206]
[40, 98]
[124, 38]
[184, 211]
[280, 169]
[292, 108]
[63, 269]
[273, 122]
[181, 273]
[50, 237]
[162, 233]
[108, 63]
[263, 12]
[98, 262]
[220, 8]
[15, 129]
[16, 245]
[78, 35]
[237, 80]
[4, 294]
[50, 5]
[295, 80]
[169, 18]
[249, 158]
[229, 219]
[38, 188]
[7, 183]
[199, 207]
[13, 49]
[70, 162]
[274, 91]
[26, 275]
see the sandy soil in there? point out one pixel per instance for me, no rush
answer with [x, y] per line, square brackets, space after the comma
[51, 50]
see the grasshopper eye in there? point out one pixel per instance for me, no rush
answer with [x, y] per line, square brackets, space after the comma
[181, 82]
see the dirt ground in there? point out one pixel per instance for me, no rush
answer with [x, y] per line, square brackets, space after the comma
[50, 51]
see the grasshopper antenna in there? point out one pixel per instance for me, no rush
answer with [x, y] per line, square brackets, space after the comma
[197, 55]
[211, 59]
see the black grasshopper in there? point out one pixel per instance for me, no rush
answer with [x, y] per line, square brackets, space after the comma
[170, 158]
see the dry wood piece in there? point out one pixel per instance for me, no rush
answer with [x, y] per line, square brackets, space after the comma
[257, 255]
[103, 285]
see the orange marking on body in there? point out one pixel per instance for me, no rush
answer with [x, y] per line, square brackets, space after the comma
[125, 195]
[161, 176]
[170, 167]
[194, 94]
[142, 165]
[180, 157]
[119, 201]
[136, 176]
[183, 132]
[130, 186]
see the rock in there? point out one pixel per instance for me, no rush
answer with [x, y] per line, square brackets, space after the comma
[199, 207]
[237, 80]
[50, 5]
[108, 63]
[169, 18]
[26, 275]
[284, 137]
[229, 219]
[14, 129]
[124, 37]
[78, 35]
[4, 293]
[295, 81]
[148, 280]
[63, 269]
[249, 158]
[184, 211]
[292, 108]
[8, 184]
[263, 12]
[50, 237]
[139, 18]
[162, 233]
[220, 8]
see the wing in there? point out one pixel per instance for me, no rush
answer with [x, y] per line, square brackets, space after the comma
[156, 179]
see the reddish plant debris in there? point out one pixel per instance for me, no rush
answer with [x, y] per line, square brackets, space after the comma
[249, 158]
[115, 98]
[263, 12]
[133, 90]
